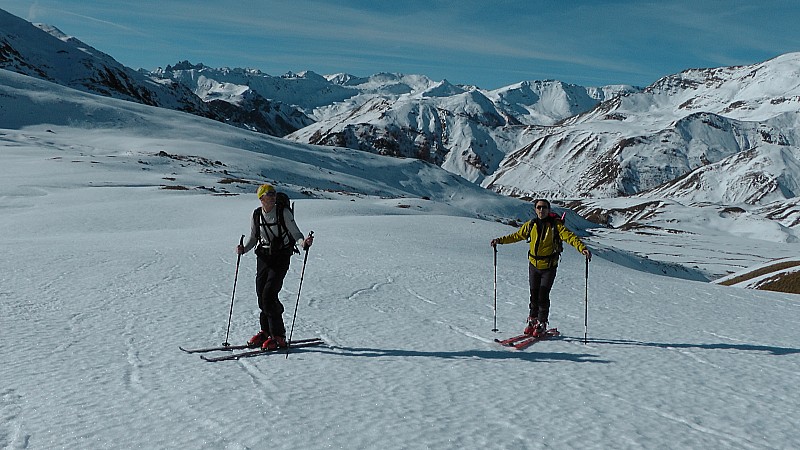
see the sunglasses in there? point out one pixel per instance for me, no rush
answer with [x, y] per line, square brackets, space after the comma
[541, 207]
[270, 194]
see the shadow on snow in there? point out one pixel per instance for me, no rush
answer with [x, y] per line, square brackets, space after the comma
[778, 351]
[465, 354]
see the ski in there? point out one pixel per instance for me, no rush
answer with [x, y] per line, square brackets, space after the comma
[251, 353]
[523, 344]
[234, 347]
[214, 349]
[512, 339]
[524, 341]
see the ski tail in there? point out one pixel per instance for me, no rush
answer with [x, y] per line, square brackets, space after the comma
[214, 349]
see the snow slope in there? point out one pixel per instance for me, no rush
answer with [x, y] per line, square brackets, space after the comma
[106, 273]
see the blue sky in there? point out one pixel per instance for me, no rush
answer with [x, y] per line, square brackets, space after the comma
[485, 43]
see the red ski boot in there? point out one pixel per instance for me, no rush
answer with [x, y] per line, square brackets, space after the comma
[531, 328]
[274, 342]
[257, 340]
[541, 329]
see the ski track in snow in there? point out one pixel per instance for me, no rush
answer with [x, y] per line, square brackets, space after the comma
[12, 434]
[133, 376]
[372, 289]
[420, 297]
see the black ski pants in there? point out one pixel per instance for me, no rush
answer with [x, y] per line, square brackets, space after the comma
[270, 272]
[541, 281]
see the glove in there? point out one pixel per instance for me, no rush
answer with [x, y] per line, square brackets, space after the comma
[307, 242]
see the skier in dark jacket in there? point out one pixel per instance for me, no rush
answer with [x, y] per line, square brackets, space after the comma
[275, 239]
[546, 232]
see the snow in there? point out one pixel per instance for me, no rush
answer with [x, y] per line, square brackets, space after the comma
[105, 274]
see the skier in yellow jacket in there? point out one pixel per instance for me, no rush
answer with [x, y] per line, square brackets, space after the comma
[546, 232]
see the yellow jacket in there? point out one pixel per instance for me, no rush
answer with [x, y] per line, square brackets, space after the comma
[544, 251]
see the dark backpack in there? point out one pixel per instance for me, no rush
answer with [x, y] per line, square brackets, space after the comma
[282, 201]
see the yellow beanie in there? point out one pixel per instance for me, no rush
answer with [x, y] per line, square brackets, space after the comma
[263, 189]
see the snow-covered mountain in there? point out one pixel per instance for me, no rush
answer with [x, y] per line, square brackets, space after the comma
[726, 135]
[44, 52]
[442, 124]
[464, 129]
[243, 96]
[548, 102]
[304, 91]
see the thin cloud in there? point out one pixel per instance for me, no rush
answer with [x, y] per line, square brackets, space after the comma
[344, 28]
[37, 11]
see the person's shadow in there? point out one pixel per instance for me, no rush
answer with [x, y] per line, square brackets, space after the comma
[529, 354]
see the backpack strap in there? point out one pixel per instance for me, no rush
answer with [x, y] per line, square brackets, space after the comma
[258, 220]
[557, 245]
[282, 202]
[282, 222]
[283, 230]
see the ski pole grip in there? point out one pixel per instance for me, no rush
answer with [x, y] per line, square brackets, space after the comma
[241, 244]
[305, 249]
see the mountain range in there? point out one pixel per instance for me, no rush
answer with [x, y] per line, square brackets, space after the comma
[725, 137]
[464, 129]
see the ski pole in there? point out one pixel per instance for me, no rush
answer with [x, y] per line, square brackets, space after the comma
[297, 303]
[586, 306]
[495, 289]
[235, 277]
